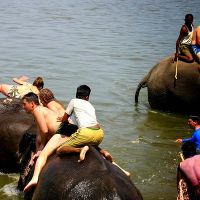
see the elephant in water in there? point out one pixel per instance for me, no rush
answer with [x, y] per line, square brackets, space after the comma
[63, 177]
[171, 91]
[14, 122]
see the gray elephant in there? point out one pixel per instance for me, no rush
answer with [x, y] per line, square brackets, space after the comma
[64, 178]
[172, 86]
[14, 122]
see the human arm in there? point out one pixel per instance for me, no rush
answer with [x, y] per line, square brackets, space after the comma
[193, 139]
[179, 140]
[20, 80]
[41, 122]
[182, 34]
[64, 118]
[105, 153]
[68, 112]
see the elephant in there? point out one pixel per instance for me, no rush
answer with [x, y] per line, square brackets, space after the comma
[14, 122]
[170, 91]
[63, 177]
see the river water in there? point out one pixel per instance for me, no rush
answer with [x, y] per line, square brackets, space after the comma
[109, 45]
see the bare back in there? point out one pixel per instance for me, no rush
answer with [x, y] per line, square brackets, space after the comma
[47, 122]
[56, 107]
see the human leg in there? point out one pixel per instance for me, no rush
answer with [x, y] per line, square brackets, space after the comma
[82, 137]
[108, 156]
[50, 147]
[185, 54]
[68, 149]
[105, 153]
[196, 53]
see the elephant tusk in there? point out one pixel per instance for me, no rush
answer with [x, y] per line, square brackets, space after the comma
[176, 73]
[126, 172]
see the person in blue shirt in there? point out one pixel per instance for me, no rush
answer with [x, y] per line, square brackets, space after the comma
[194, 123]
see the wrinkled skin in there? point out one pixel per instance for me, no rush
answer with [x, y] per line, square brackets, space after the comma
[14, 122]
[94, 178]
[166, 93]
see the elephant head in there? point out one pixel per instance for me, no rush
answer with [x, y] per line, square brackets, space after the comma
[14, 122]
[94, 178]
[173, 86]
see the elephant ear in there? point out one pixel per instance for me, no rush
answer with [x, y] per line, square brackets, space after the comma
[26, 150]
[27, 142]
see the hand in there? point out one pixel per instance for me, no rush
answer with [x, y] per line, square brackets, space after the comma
[59, 119]
[179, 140]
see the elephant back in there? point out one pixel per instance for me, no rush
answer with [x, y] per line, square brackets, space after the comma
[94, 178]
[180, 93]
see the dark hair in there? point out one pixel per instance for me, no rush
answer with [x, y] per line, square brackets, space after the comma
[31, 97]
[83, 91]
[39, 83]
[189, 18]
[189, 149]
[46, 96]
[195, 118]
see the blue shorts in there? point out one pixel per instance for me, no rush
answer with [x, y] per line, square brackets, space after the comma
[196, 49]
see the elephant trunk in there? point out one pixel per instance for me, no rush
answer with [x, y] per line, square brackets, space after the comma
[25, 152]
[143, 83]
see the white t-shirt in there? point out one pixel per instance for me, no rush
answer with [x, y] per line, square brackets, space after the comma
[82, 112]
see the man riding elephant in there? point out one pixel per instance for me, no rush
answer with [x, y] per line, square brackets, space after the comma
[171, 91]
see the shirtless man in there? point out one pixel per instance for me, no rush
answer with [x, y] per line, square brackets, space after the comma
[45, 118]
[196, 44]
[23, 87]
[47, 122]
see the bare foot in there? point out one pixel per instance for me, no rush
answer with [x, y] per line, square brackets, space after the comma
[30, 185]
[83, 152]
